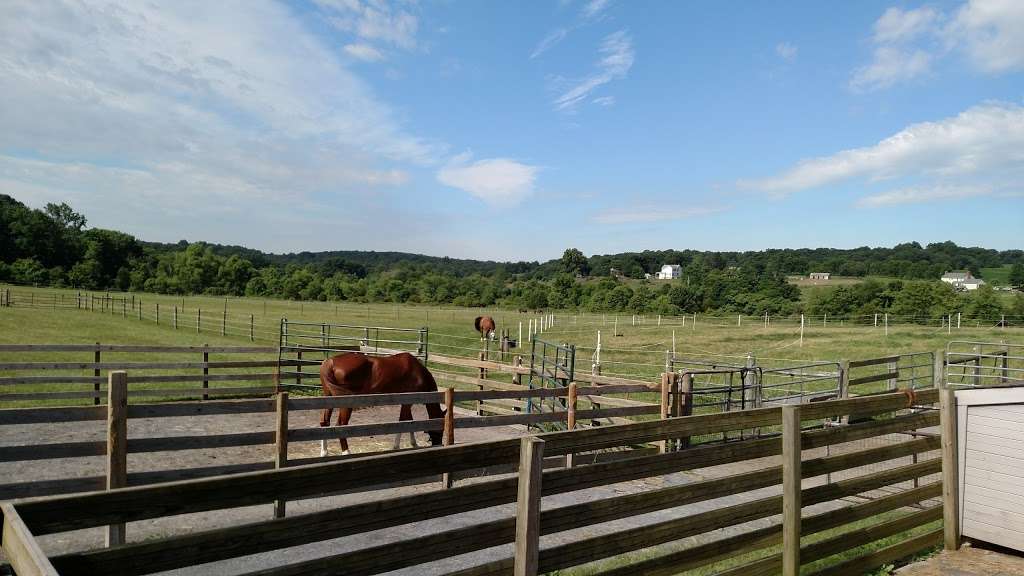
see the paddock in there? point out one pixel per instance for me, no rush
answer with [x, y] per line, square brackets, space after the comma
[875, 467]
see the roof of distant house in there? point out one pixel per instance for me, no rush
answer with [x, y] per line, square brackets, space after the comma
[957, 275]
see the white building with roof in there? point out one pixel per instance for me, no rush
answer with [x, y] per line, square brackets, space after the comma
[670, 272]
[962, 280]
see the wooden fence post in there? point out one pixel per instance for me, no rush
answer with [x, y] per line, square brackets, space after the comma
[938, 368]
[527, 545]
[666, 384]
[174, 318]
[448, 434]
[117, 443]
[570, 418]
[684, 401]
[950, 472]
[298, 367]
[157, 313]
[96, 374]
[252, 330]
[199, 320]
[281, 454]
[893, 368]
[206, 369]
[224, 324]
[791, 502]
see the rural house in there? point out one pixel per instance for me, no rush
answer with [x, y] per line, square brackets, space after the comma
[670, 272]
[962, 280]
[819, 275]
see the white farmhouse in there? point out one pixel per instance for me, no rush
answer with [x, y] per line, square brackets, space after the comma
[962, 280]
[820, 275]
[670, 272]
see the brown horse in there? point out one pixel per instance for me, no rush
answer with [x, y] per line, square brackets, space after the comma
[485, 326]
[357, 373]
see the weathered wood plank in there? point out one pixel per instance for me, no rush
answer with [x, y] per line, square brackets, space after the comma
[199, 442]
[209, 408]
[862, 564]
[527, 538]
[873, 378]
[20, 547]
[50, 451]
[364, 400]
[52, 415]
[873, 361]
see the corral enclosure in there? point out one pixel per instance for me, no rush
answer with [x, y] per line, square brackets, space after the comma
[491, 394]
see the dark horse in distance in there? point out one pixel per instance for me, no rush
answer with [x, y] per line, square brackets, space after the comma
[485, 326]
[356, 373]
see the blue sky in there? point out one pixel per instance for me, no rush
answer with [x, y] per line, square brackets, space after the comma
[509, 130]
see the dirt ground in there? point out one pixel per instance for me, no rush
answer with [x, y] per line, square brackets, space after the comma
[968, 561]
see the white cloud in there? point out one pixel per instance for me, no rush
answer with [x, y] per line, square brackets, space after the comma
[594, 8]
[991, 32]
[921, 194]
[497, 181]
[591, 12]
[905, 43]
[786, 51]
[553, 38]
[652, 213]
[896, 25]
[364, 52]
[374, 20]
[111, 104]
[890, 66]
[982, 144]
[616, 58]
[605, 100]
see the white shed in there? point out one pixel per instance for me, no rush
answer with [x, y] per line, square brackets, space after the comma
[990, 459]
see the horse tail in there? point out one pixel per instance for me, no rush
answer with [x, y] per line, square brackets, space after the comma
[476, 323]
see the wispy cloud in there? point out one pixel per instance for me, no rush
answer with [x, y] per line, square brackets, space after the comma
[364, 52]
[594, 8]
[553, 38]
[786, 51]
[921, 194]
[984, 143]
[373, 20]
[497, 181]
[616, 58]
[905, 43]
[604, 100]
[652, 213]
[592, 11]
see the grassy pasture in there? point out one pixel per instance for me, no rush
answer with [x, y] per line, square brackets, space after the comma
[631, 347]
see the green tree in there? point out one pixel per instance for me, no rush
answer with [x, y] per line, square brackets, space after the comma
[985, 305]
[574, 262]
[1017, 276]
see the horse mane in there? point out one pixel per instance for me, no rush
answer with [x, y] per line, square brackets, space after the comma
[476, 323]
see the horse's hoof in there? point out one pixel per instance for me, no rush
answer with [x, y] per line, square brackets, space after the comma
[344, 452]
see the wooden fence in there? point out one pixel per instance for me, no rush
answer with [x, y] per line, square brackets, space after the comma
[818, 518]
[581, 408]
[204, 367]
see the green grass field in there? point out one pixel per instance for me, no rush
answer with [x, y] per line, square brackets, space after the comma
[996, 276]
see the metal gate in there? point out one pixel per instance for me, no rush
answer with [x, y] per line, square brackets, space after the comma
[551, 366]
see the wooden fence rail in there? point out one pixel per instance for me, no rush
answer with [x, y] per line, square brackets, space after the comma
[803, 472]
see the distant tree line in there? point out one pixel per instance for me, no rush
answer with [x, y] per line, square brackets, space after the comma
[53, 247]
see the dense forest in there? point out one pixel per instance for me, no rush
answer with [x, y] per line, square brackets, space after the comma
[54, 247]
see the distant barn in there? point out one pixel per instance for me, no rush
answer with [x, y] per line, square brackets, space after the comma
[820, 275]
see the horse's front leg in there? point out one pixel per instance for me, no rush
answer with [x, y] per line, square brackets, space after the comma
[403, 416]
[325, 420]
[343, 416]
